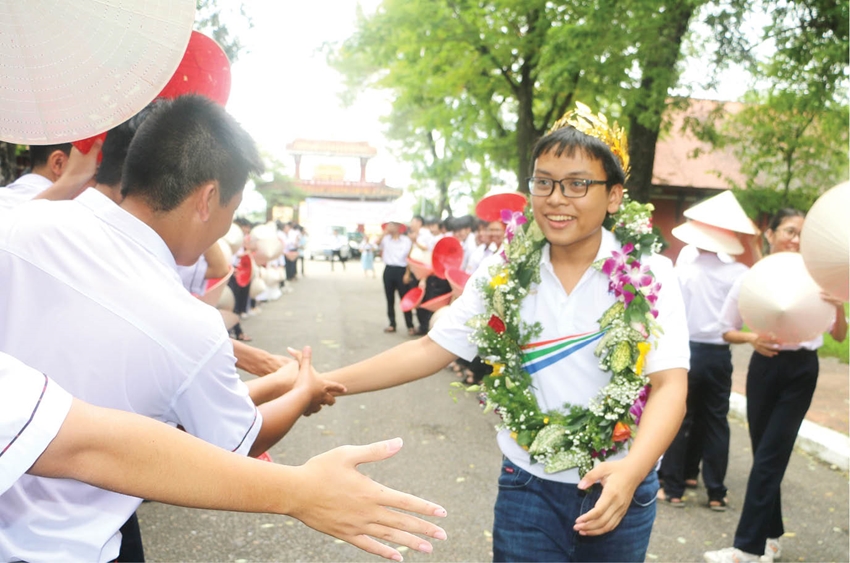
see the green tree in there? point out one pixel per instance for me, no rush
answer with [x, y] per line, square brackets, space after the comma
[494, 75]
[791, 137]
[210, 19]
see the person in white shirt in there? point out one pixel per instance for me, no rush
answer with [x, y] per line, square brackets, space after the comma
[569, 299]
[705, 280]
[47, 433]
[781, 381]
[394, 251]
[47, 163]
[420, 234]
[98, 282]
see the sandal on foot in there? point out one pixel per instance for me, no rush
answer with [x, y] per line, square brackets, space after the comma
[717, 505]
[675, 502]
[412, 331]
[389, 329]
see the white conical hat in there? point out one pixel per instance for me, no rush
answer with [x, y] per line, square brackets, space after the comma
[723, 211]
[76, 68]
[825, 241]
[780, 299]
[707, 237]
[234, 237]
[268, 244]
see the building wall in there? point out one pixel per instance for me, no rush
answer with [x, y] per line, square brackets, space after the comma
[668, 214]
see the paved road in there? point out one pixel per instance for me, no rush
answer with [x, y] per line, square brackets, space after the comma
[450, 456]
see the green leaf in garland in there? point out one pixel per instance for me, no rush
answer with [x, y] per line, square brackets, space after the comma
[613, 312]
[548, 439]
[524, 438]
[621, 357]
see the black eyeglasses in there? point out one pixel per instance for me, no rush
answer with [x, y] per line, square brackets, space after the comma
[570, 187]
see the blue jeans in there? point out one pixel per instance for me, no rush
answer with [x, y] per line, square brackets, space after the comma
[534, 521]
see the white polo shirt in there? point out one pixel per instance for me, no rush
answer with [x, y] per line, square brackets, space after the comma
[705, 282]
[89, 295]
[572, 375]
[394, 251]
[33, 408]
[22, 190]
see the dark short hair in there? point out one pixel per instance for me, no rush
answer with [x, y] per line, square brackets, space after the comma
[183, 144]
[566, 140]
[783, 214]
[40, 153]
[116, 145]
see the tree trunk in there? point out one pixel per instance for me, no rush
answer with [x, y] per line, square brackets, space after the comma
[443, 186]
[658, 76]
[526, 135]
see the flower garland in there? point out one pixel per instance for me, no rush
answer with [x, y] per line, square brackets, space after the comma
[574, 436]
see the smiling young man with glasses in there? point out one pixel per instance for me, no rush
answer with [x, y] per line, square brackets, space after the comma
[558, 515]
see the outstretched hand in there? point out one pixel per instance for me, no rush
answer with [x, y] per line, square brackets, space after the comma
[322, 392]
[338, 500]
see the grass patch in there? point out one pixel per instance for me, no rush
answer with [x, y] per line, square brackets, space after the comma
[833, 349]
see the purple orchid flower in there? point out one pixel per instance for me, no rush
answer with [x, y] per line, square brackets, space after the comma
[618, 260]
[637, 275]
[636, 409]
[512, 221]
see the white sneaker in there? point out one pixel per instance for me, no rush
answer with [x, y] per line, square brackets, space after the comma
[773, 548]
[734, 555]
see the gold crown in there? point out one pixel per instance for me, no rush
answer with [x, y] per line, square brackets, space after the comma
[614, 136]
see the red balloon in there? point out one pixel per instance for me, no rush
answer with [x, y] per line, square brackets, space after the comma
[204, 70]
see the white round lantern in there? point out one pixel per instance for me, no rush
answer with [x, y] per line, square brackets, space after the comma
[825, 241]
[780, 299]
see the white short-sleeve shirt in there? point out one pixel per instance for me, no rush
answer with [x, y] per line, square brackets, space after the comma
[705, 283]
[394, 251]
[32, 409]
[22, 190]
[570, 374]
[89, 296]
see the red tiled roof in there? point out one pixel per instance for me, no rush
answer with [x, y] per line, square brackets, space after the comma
[360, 149]
[674, 165]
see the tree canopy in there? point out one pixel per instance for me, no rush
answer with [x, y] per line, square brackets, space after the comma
[475, 84]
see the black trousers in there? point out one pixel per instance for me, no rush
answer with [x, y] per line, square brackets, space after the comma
[779, 392]
[290, 267]
[434, 287]
[706, 423]
[394, 283]
[241, 296]
[131, 542]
